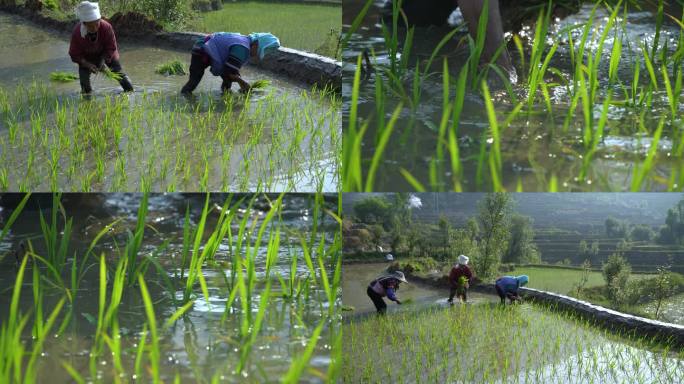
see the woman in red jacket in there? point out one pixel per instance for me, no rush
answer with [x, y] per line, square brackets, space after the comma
[93, 45]
[460, 278]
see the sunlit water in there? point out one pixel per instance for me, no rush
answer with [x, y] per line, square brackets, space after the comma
[534, 147]
[198, 346]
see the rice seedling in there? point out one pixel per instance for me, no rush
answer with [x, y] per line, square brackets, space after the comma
[260, 84]
[131, 334]
[102, 144]
[63, 77]
[559, 347]
[173, 67]
[109, 74]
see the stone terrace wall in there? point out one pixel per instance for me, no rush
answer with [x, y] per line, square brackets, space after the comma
[672, 333]
[302, 66]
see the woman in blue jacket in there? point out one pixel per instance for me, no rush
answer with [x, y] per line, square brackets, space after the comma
[507, 287]
[225, 53]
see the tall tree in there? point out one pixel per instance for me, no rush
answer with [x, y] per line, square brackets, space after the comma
[521, 247]
[494, 219]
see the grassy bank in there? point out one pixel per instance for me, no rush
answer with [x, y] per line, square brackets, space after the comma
[562, 280]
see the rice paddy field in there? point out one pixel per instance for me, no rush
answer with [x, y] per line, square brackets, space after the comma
[316, 30]
[427, 340]
[169, 288]
[495, 344]
[596, 103]
[282, 137]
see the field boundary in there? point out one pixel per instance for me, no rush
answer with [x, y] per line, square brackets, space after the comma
[295, 64]
[631, 325]
[669, 333]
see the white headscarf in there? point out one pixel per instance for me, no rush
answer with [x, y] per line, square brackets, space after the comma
[87, 11]
[463, 260]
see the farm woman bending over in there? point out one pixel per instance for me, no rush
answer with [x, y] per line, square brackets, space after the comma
[225, 53]
[460, 278]
[93, 45]
[385, 286]
[507, 287]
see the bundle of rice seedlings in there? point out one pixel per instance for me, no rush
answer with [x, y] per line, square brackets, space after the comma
[63, 77]
[174, 67]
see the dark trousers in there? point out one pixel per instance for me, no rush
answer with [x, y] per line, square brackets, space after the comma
[377, 300]
[503, 295]
[114, 66]
[462, 293]
[197, 68]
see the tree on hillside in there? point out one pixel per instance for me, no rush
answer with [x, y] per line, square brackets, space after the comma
[372, 210]
[588, 252]
[464, 243]
[521, 247]
[673, 231]
[616, 228]
[494, 219]
[473, 228]
[641, 232]
[445, 229]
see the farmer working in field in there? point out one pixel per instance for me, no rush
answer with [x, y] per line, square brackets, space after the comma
[507, 287]
[385, 285]
[93, 46]
[225, 53]
[460, 278]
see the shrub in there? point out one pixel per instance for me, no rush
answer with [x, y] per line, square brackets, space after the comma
[616, 273]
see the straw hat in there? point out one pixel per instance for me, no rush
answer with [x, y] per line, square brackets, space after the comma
[399, 275]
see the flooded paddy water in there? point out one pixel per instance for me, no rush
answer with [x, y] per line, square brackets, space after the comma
[429, 341]
[236, 289]
[595, 106]
[283, 137]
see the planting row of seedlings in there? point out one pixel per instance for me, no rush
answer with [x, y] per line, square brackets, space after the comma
[494, 343]
[122, 143]
[592, 108]
[236, 292]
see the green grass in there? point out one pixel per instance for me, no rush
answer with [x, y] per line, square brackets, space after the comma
[310, 27]
[561, 280]
[492, 343]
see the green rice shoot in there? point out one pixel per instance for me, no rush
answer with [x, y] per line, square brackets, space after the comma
[260, 84]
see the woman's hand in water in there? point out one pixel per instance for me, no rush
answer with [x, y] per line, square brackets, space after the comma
[90, 66]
